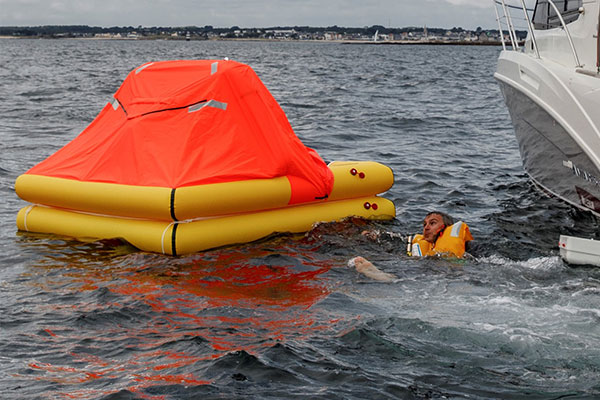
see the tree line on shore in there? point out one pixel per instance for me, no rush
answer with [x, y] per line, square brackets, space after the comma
[208, 30]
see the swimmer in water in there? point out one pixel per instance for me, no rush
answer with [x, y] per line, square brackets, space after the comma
[441, 237]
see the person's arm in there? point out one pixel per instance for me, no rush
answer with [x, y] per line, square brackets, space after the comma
[367, 268]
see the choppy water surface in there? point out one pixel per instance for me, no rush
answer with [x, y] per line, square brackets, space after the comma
[285, 318]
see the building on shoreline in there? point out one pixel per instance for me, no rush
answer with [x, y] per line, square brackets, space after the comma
[379, 34]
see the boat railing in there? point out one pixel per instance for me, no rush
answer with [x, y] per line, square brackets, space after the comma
[505, 20]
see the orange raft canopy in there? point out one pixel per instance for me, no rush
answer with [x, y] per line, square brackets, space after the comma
[183, 123]
[183, 140]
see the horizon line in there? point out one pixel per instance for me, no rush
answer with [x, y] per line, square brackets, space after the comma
[239, 27]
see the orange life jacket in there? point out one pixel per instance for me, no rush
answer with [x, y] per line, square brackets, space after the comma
[451, 242]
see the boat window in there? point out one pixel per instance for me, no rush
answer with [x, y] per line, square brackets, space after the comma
[544, 15]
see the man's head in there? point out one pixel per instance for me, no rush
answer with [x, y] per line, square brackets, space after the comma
[434, 224]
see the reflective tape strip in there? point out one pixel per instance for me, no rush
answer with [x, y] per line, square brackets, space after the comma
[456, 229]
[210, 103]
[196, 107]
[213, 68]
[140, 69]
[115, 103]
[25, 216]
[416, 250]
[217, 104]
[162, 238]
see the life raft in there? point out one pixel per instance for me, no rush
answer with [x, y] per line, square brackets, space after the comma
[192, 155]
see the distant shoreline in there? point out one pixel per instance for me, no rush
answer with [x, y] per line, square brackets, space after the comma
[423, 42]
[345, 42]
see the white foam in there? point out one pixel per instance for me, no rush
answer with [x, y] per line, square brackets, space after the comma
[503, 301]
[542, 264]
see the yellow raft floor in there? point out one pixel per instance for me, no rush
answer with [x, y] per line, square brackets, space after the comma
[183, 237]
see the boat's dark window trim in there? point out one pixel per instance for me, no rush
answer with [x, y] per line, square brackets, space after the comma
[544, 16]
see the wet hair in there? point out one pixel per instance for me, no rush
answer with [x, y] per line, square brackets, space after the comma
[446, 219]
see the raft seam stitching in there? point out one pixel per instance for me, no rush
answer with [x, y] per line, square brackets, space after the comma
[174, 240]
[172, 205]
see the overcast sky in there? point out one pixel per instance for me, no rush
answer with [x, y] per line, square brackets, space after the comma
[468, 14]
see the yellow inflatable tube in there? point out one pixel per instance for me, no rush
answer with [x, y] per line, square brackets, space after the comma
[352, 179]
[176, 238]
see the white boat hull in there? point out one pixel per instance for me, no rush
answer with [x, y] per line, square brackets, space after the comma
[556, 127]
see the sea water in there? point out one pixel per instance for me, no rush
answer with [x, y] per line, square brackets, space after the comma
[285, 317]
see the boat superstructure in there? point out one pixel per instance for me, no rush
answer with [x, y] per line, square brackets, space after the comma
[551, 85]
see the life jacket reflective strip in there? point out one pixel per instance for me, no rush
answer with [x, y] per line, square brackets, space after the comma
[450, 242]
